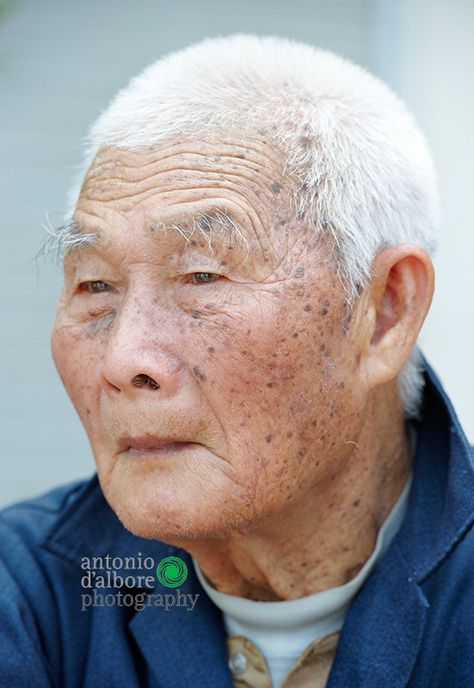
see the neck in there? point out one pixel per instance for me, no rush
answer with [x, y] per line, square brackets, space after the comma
[325, 537]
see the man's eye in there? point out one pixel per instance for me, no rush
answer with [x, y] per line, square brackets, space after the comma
[94, 287]
[203, 277]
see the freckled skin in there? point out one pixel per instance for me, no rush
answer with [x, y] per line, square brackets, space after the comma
[254, 368]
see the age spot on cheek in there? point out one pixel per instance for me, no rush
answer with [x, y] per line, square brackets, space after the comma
[200, 374]
[101, 325]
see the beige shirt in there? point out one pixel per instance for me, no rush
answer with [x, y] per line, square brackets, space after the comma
[311, 669]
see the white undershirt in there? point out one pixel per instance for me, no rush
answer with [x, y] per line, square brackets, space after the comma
[282, 630]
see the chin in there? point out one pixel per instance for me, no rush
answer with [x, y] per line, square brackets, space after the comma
[154, 510]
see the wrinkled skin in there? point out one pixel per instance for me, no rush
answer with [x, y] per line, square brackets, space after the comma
[300, 449]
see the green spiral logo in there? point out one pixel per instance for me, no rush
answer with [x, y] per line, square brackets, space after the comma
[171, 572]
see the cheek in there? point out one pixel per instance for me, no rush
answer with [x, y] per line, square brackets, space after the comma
[76, 355]
[261, 357]
[283, 378]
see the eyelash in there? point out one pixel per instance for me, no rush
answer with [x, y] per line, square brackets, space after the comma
[88, 286]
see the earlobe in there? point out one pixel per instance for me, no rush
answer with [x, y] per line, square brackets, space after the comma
[399, 296]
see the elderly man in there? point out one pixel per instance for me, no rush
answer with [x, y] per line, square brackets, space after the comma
[247, 268]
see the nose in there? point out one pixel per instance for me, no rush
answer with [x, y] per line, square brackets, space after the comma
[138, 360]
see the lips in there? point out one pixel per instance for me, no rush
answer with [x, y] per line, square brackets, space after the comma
[148, 445]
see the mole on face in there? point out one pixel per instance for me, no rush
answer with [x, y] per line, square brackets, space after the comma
[275, 187]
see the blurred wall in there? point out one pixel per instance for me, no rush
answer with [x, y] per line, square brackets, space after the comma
[60, 63]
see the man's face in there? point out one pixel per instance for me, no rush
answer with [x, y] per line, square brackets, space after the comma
[204, 341]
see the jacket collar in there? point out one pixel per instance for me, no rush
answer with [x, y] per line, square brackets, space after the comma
[441, 504]
[384, 627]
[440, 510]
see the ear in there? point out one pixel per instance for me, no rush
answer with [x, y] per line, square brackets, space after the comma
[396, 303]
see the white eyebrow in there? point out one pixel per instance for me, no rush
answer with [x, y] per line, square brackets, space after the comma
[69, 236]
[60, 240]
[209, 225]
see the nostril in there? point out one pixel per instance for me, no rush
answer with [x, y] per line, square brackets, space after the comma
[143, 380]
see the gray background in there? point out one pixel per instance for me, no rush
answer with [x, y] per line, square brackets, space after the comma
[60, 63]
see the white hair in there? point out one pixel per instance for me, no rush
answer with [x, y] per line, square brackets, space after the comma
[366, 176]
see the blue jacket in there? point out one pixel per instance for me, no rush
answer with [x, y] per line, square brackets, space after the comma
[412, 624]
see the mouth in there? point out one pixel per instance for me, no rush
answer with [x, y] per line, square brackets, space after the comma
[150, 446]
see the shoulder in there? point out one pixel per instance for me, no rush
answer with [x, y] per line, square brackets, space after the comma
[51, 501]
[25, 562]
[449, 592]
[30, 578]
[24, 525]
[451, 582]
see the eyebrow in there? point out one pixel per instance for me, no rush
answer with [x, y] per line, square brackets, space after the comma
[69, 236]
[213, 224]
[64, 238]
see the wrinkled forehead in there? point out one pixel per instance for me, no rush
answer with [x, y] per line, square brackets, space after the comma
[249, 161]
[233, 189]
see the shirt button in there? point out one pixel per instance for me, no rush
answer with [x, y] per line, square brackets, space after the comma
[238, 663]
